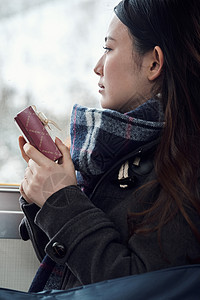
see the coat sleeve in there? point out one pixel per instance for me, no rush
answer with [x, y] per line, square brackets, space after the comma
[83, 237]
[29, 230]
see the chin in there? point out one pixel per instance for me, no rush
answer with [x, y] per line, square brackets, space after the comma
[107, 104]
[104, 105]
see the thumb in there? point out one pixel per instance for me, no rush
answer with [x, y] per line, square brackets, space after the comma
[67, 162]
[22, 142]
[64, 150]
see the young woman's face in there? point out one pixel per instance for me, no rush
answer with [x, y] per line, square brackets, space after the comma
[123, 85]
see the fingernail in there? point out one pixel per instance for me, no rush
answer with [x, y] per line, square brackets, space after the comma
[58, 140]
[25, 146]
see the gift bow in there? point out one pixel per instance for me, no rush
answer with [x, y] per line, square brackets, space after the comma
[45, 121]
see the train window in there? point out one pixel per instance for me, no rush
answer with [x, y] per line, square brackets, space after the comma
[47, 54]
[48, 51]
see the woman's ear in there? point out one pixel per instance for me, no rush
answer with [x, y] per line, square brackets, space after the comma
[156, 63]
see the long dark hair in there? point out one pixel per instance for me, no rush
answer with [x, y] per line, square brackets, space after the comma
[174, 26]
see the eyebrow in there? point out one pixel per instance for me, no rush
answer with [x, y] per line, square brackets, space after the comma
[109, 38]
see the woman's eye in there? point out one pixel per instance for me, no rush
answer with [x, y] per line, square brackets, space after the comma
[107, 49]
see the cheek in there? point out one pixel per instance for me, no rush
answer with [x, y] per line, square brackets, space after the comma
[119, 67]
[114, 61]
[113, 73]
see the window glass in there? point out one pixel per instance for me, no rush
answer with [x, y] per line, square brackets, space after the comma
[47, 54]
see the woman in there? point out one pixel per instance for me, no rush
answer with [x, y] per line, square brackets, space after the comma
[136, 207]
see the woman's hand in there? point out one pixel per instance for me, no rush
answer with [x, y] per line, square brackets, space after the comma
[43, 177]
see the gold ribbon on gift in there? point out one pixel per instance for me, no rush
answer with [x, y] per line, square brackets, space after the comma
[45, 121]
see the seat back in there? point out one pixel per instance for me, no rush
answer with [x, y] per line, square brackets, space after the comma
[18, 262]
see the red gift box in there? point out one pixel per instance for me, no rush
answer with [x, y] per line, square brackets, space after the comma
[36, 133]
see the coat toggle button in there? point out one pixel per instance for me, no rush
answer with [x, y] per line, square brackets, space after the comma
[59, 250]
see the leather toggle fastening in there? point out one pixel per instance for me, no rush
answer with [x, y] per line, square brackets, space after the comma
[131, 171]
[124, 179]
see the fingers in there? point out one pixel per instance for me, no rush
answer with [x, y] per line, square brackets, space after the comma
[36, 155]
[28, 172]
[22, 142]
[21, 189]
[28, 151]
[32, 166]
[43, 177]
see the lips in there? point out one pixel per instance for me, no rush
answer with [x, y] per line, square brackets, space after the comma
[102, 87]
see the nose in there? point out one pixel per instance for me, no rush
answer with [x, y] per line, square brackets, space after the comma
[99, 66]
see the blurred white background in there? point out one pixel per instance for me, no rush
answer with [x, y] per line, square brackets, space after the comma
[48, 49]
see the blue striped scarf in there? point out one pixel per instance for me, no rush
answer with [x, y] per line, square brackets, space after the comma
[99, 138]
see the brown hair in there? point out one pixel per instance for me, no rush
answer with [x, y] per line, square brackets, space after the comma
[174, 26]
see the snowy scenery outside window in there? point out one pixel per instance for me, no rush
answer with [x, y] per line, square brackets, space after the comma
[48, 50]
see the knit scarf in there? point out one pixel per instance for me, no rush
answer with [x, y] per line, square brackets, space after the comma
[99, 138]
